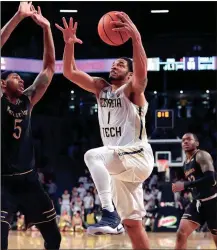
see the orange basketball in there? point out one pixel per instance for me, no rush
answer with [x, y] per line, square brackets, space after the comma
[106, 33]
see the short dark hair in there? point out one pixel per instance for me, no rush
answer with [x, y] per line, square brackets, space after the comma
[5, 74]
[129, 63]
[194, 135]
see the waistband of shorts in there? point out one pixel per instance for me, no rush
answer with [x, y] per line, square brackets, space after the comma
[17, 174]
[209, 198]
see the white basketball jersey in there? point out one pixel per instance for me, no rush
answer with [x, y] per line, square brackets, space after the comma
[122, 123]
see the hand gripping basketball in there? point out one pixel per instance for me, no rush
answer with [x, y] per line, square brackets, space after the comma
[69, 33]
[125, 24]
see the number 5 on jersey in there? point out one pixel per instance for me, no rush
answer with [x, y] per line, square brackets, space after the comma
[17, 129]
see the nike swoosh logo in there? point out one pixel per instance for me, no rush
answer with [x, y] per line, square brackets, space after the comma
[214, 184]
[119, 229]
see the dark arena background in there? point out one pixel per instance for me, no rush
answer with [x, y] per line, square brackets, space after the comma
[181, 48]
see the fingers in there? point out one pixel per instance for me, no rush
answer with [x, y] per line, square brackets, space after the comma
[121, 16]
[32, 8]
[79, 41]
[124, 28]
[59, 27]
[75, 26]
[71, 23]
[39, 10]
[118, 23]
[65, 23]
[30, 3]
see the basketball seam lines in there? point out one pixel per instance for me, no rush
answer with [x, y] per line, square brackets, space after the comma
[118, 31]
[105, 31]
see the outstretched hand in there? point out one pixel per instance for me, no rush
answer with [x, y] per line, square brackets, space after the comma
[25, 9]
[39, 19]
[69, 31]
[125, 24]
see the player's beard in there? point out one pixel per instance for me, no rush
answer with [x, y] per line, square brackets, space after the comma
[116, 78]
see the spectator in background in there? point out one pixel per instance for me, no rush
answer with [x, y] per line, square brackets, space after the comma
[51, 189]
[81, 190]
[154, 191]
[77, 205]
[153, 180]
[65, 204]
[65, 221]
[20, 222]
[97, 203]
[185, 200]
[74, 195]
[88, 184]
[77, 222]
[82, 179]
[90, 218]
[148, 197]
[88, 203]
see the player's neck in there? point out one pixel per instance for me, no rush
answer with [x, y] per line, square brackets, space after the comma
[190, 154]
[12, 99]
[116, 84]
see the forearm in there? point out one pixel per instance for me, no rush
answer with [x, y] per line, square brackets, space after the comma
[207, 179]
[139, 58]
[49, 50]
[68, 59]
[9, 28]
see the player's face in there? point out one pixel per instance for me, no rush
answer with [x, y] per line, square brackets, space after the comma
[189, 143]
[14, 85]
[119, 70]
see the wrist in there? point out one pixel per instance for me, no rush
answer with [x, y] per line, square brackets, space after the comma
[46, 27]
[19, 16]
[136, 37]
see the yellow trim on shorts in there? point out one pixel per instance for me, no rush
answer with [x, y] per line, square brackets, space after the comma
[48, 211]
[6, 222]
[4, 212]
[51, 215]
[18, 173]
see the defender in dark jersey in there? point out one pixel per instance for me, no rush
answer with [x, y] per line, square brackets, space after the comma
[20, 187]
[201, 179]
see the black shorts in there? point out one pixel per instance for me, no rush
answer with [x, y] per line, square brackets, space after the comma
[205, 211]
[25, 193]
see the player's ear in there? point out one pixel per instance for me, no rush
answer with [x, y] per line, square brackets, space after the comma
[3, 84]
[129, 75]
[197, 143]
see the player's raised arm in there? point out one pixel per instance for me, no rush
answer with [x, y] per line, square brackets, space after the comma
[43, 80]
[70, 71]
[24, 10]
[139, 56]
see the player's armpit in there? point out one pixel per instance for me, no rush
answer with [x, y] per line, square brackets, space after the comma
[85, 81]
[205, 161]
[39, 87]
[138, 86]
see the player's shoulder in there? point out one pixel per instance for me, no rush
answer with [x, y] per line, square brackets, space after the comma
[100, 80]
[202, 155]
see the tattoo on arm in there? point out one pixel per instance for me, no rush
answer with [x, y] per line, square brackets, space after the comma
[205, 161]
[38, 88]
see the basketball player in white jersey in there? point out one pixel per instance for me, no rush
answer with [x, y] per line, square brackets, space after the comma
[126, 160]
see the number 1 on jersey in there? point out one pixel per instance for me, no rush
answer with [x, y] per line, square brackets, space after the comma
[108, 117]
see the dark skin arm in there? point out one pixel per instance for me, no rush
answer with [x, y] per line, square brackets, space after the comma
[206, 163]
[43, 80]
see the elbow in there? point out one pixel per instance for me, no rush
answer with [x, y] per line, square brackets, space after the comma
[50, 68]
[68, 73]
